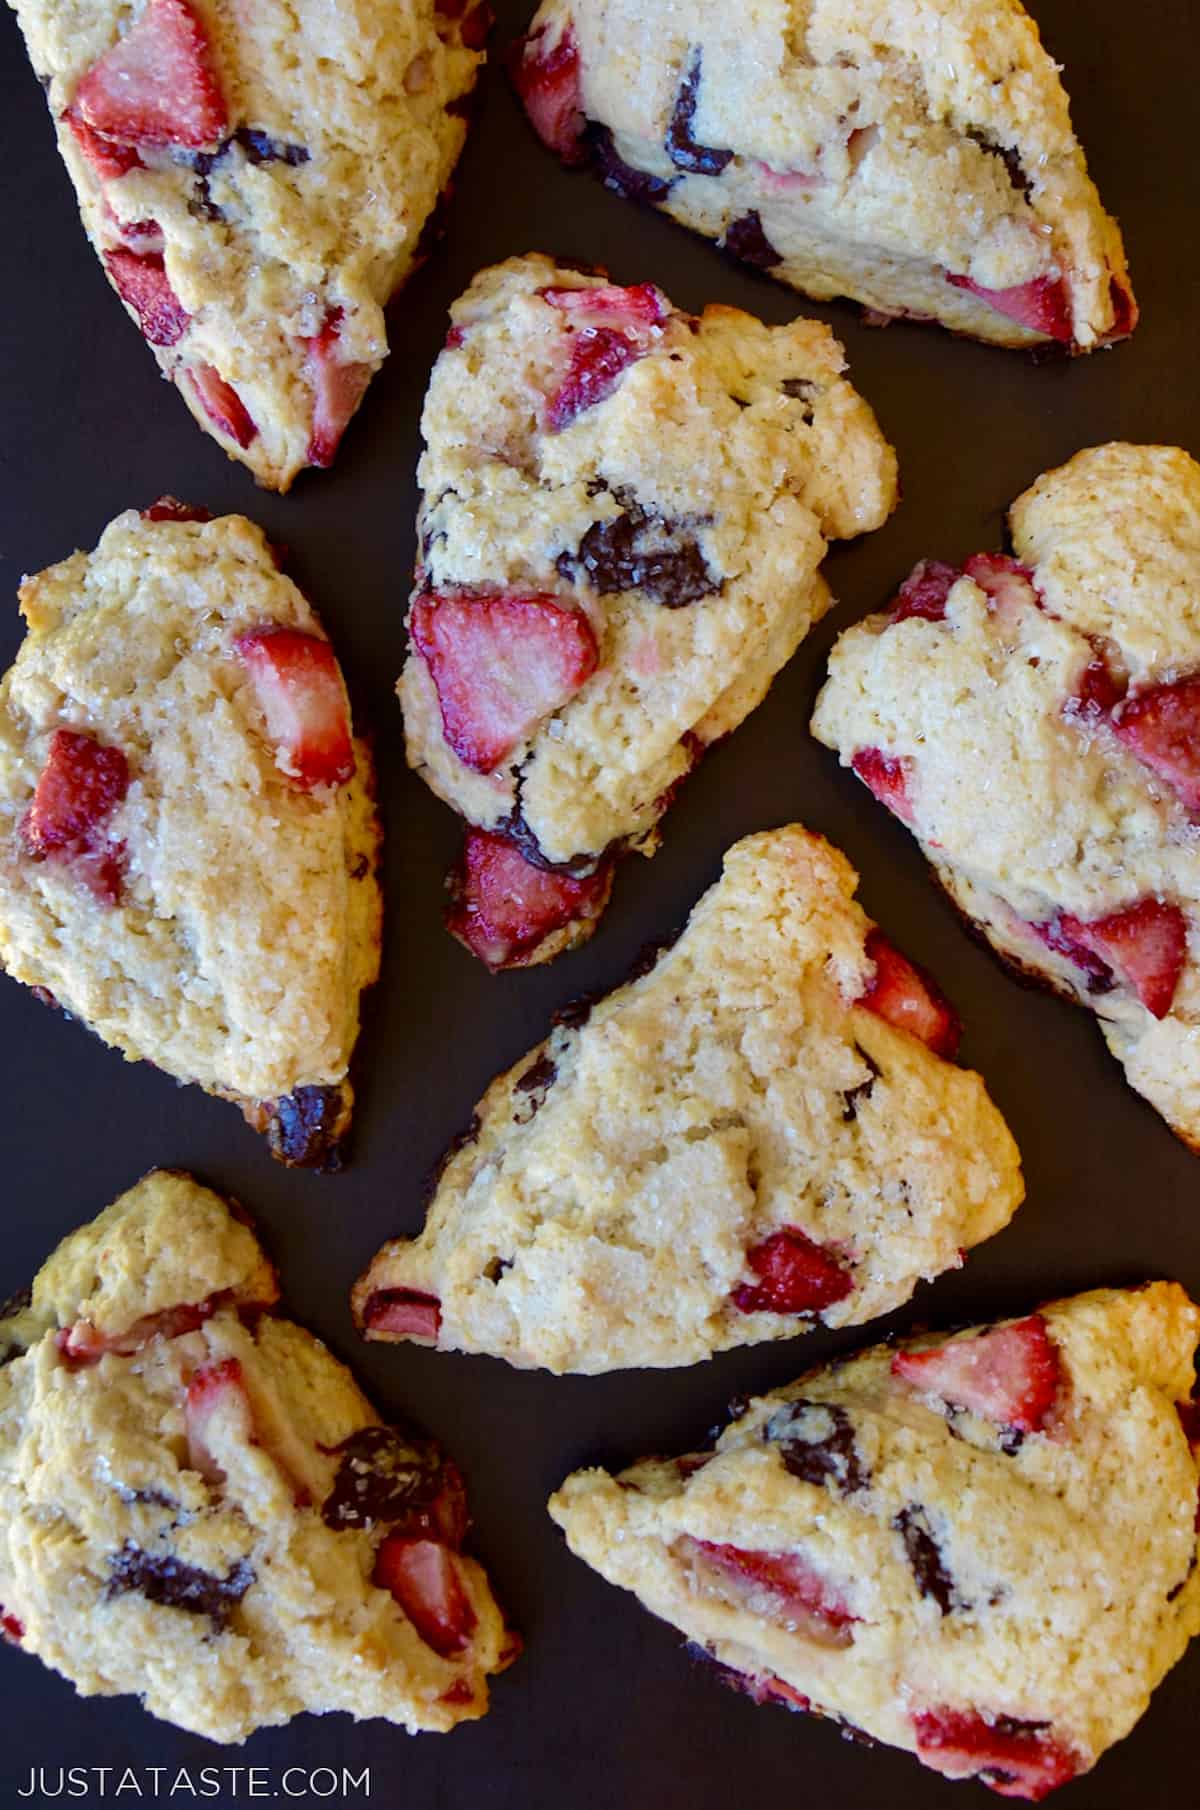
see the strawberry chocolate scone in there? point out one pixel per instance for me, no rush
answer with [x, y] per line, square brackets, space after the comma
[198, 1505]
[257, 180]
[915, 155]
[981, 1549]
[764, 1131]
[624, 511]
[188, 836]
[1035, 720]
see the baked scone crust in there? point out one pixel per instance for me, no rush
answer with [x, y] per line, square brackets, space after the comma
[599, 1212]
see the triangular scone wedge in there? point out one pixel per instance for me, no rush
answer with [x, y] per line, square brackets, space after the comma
[761, 1132]
[257, 180]
[979, 1549]
[916, 155]
[1080, 658]
[198, 1505]
[189, 849]
[624, 513]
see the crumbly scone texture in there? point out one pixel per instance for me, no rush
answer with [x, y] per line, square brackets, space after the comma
[599, 1212]
[249, 916]
[738, 448]
[363, 102]
[1066, 1566]
[981, 705]
[221, 1600]
[869, 150]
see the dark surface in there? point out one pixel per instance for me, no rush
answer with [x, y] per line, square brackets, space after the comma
[604, 1709]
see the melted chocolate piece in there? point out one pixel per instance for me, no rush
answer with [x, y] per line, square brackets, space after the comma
[575, 1014]
[260, 147]
[616, 174]
[1011, 160]
[816, 1443]
[925, 1556]
[17, 1303]
[536, 1082]
[681, 147]
[641, 550]
[168, 1581]
[745, 239]
[862, 1091]
[382, 1477]
[305, 1128]
[462, 1140]
[579, 867]
[1176, 1589]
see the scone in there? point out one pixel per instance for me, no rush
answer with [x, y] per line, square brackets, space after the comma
[188, 836]
[624, 511]
[1036, 722]
[763, 1131]
[916, 155]
[198, 1505]
[980, 1549]
[257, 180]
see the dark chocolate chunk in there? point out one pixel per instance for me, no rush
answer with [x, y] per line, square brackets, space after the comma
[260, 147]
[461, 1140]
[305, 1128]
[616, 174]
[575, 1013]
[641, 550]
[816, 1443]
[745, 239]
[681, 147]
[382, 1476]
[863, 1090]
[925, 1556]
[168, 1581]
[1011, 160]
[536, 1083]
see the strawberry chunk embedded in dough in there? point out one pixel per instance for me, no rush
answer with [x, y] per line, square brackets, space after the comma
[1044, 306]
[425, 1579]
[1162, 727]
[221, 403]
[157, 85]
[504, 907]
[298, 685]
[1146, 944]
[338, 386]
[795, 1275]
[908, 999]
[1009, 1375]
[925, 590]
[1014, 1758]
[546, 78]
[81, 785]
[887, 776]
[141, 281]
[403, 1313]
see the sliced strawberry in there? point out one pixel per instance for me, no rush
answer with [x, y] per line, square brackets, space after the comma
[547, 81]
[216, 1396]
[796, 1276]
[1009, 1375]
[790, 1580]
[1013, 1758]
[81, 785]
[925, 590]
[1007, 584]
[221, 403]
[611, 329]
[1098, 693]
[170, 509]
[107, 159]
[1146, 944]
[782, 182]
[424, 1578]
[81, 1344]
[156, 86]
[887, 775]
[909, 999]
[501, 665]
[1044, 305]
[298, 685]
[1162, 727]
[338, 386]
[11, 1626]
[504, 906]
[141, 282]
[403, 1313]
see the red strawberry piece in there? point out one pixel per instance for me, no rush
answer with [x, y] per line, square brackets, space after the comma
[501, 665]
[170, 509]
[795, 1276]
[476, 26]
[424, 1578]
[1146, 944]
[1043, 305]
[1162, 727]
[216, 1396]
[925, 590]
[298, 685]
[1098, 693]
[81, 785]
[338, 386]
[1125, 310]
[106, 159]
[1007, 584]
[140, 279]
[787, 1577]
[221, 403]
[156, 86]
[461, 1691]
[403, 1313]
[907, 997]
[547, 80]
[1010, 1374]
[1016, 1759]
[11, 1626]
[82, 1344]
[611, 328]
[504, 906]
[887, 776]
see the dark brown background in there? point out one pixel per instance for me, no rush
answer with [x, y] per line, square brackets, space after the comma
[604, 1709]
